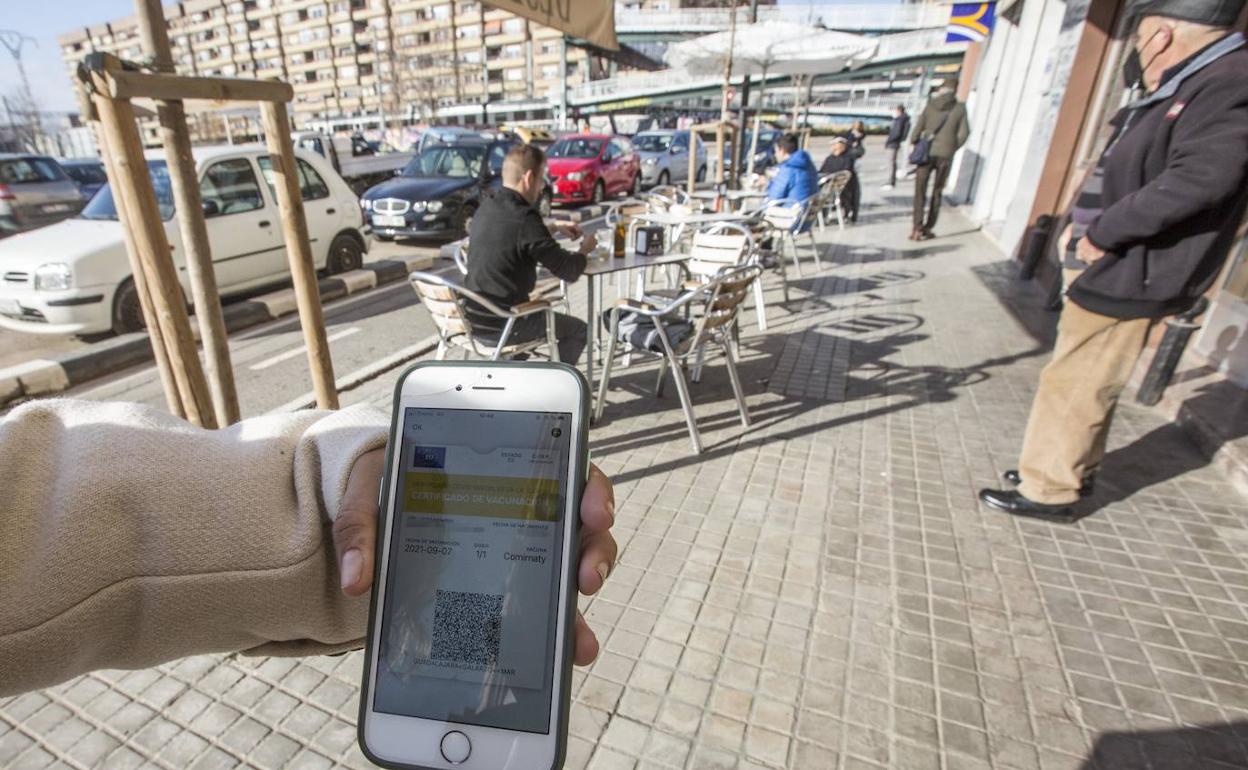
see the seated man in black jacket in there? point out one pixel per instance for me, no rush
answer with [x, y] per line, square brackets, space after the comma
[508, 241]
[845, 159]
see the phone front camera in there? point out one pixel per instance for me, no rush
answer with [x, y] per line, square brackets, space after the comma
[459, 387]
[557, 432]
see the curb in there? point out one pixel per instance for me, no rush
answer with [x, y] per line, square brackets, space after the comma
[52, 375]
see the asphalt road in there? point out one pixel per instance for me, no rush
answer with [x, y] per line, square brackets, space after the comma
[270, 361]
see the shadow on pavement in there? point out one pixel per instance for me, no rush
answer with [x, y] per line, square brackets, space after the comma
[1206, 746]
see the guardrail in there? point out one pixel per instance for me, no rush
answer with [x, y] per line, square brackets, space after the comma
[849, 17]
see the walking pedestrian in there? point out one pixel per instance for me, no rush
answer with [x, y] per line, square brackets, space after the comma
[898, 130]
[1151, 229]
[857, 137]
[944, 124]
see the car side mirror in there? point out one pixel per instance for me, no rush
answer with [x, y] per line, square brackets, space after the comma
[211, 209]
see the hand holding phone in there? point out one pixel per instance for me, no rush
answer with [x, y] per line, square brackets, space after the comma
[473, 620]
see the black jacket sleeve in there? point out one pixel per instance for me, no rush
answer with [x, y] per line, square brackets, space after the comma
[1208, 155]
[537, 242]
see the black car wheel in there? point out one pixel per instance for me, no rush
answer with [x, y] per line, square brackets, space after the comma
[463, 220]
[600, 192]
[702, 174]
[635, 189]
[345, 254]
[127, 310]
[664, 179]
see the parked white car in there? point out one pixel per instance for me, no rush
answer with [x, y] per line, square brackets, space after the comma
[74, 277]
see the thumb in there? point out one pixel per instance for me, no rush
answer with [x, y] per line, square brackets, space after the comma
[355, 526]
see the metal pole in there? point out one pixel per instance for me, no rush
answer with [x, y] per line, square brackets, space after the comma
[185, 183]
[743, 113]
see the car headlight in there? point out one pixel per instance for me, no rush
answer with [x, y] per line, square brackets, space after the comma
[418, 206]
[53, 277]
[575, 176]
[651, 161]
[367, 205]
[434, 206]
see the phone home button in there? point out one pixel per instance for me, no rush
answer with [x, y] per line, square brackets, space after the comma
[456, 747]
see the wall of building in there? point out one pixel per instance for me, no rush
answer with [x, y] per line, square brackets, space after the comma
[1012, 106]
[354, 57]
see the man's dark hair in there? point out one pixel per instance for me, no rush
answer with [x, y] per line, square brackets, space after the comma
[520, 159]
[788, 143]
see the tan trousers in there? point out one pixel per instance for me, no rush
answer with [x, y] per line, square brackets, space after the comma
[1075, 402]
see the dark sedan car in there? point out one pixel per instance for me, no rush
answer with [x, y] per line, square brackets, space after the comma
[87, 173]
[440, 189]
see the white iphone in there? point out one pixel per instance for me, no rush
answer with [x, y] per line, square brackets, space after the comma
[470, 637]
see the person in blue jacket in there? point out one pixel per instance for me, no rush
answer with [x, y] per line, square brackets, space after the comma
[796, 178]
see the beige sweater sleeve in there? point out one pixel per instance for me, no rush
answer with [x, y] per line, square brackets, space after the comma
[129, 537]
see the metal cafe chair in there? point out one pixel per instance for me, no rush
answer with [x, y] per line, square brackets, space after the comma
[722, 245]
[787, 220]
[445, 299]
[665, 332]
[831, 187]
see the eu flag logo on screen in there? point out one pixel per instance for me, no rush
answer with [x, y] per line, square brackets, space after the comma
[970, 22]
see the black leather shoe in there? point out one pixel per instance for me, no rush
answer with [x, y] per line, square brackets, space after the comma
[1012, 502]
[1012, 476]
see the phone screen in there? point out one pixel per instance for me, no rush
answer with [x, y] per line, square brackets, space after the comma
[472, 583]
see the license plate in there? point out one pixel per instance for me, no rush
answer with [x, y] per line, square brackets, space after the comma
[55, 208]
[10, 307]
[381, 220]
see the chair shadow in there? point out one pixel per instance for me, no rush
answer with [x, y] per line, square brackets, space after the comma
[871, 376]
[1204, 746]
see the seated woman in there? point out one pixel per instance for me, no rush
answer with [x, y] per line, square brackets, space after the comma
[842, 159]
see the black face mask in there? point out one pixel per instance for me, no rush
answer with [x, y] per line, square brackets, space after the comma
[1133, 68]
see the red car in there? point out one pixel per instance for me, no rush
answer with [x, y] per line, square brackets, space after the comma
[589, 168]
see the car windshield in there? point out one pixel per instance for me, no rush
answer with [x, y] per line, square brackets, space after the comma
[86, 173]
[455, 162]
[102, 206]
[29, 171]
[652, 142]
[576, 148]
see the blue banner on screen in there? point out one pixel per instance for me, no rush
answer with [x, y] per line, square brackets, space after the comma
[970, 22]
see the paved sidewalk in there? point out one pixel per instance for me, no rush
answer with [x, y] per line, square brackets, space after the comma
[821, 590]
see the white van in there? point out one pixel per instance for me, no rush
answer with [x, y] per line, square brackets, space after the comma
[74, 277]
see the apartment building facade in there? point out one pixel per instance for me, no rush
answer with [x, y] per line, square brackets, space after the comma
[403, 59]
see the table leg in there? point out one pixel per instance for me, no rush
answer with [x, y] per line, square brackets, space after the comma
[591, 334]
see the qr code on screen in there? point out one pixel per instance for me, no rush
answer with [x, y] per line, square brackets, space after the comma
[467, 627]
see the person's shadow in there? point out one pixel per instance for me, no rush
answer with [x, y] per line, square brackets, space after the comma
[1168, 452]
[1205, 746]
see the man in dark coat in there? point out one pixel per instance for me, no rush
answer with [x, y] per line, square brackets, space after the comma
[897, 133]
[842, 158]
[944, 121]
[1151, 229]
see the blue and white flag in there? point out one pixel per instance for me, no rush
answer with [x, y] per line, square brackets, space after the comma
[970, 22]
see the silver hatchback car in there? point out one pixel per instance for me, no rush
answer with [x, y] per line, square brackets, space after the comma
[34, 191]
[665, 157]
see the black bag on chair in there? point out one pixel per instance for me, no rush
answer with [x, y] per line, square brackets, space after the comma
[921, 155]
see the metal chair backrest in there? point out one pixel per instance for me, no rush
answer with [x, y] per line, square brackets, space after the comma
[460, 254]
[726, 294]
[623, 211]
[785, 216]
[724, 245]
[839, 181]
[444, 303]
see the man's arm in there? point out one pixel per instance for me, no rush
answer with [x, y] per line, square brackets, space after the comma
[964, 125]
[184, 541]
[919, 124]
[1206, 167]
[538, 243]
